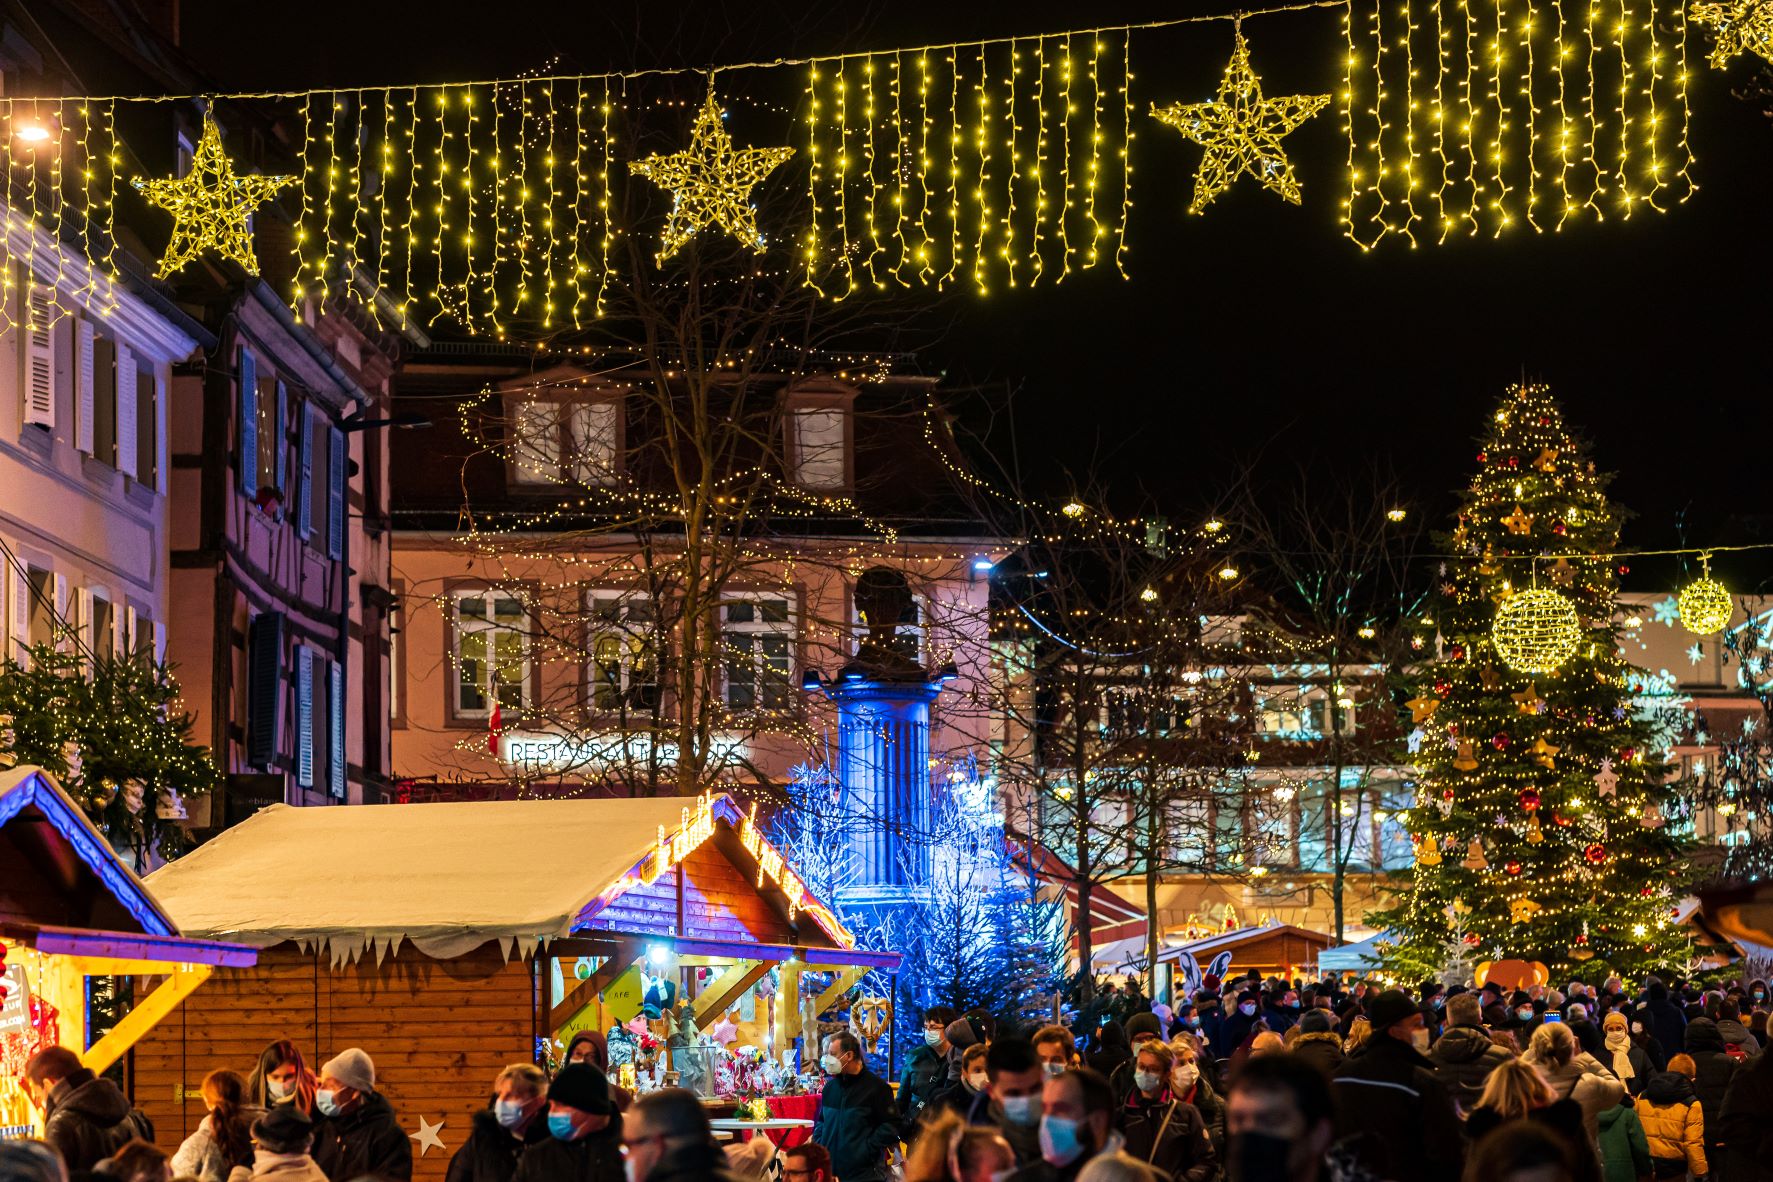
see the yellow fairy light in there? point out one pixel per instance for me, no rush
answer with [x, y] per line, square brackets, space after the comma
[1148, 595]
[1072, 509]
[210, 206]
[1228, 572]
[1536, 630]
[1705, 603]
[1739, 26]
[1241, 131]
[710, 181]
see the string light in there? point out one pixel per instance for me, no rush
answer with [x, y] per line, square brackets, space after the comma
[1739, 26]
[210, 206]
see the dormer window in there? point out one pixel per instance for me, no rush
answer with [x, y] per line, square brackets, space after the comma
[553, 441]
[818, 429]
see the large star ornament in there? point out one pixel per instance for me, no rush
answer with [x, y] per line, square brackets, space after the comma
[1241, 132]
[1740, 26]
[711, 182]
[210, 206]
[428, 1135]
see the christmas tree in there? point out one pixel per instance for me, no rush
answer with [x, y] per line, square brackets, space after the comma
[1544, 818]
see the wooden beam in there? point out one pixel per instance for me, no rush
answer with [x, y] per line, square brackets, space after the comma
[147, 1013]
[788, 1009]
[586, 991]
[727, 988]
[845, 980]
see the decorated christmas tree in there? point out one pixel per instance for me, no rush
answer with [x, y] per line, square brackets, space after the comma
[1544, 822]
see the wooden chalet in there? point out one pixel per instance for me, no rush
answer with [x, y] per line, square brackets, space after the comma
[1279, 950]
[451, 939]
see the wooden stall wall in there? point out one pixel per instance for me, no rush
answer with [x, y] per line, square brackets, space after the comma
[438, 1030]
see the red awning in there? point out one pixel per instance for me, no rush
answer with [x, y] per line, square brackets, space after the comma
[1112, 917]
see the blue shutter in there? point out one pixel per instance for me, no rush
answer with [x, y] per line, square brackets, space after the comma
[335, 503]
[305, 716]
[281, 463]
[305, 494]
[264, 695]
[335, 701]
[249, 425]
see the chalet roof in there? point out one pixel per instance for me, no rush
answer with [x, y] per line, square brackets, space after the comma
[1233, 940]
[448, 876]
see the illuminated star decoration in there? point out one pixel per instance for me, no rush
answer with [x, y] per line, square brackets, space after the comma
[1518, 522]
[1740, 26]
[1241, 132]
[210, 206]
[1414, 740]
[710, 182]
[427, 1136]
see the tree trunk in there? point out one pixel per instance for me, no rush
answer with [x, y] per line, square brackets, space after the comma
[1080, 811]
[1339, 863]
[1151, 915]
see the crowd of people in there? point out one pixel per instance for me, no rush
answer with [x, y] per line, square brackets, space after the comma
[1258, 1081]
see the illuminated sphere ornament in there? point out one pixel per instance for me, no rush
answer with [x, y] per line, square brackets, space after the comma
[1706, 606]
[1536, 630]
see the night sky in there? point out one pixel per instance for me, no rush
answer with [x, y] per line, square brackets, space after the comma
[1253, 336]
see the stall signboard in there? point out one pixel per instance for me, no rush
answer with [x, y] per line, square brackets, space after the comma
[15, 1008]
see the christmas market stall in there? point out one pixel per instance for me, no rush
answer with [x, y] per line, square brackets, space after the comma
[451, 939]
[74, 922]
[1280, 950]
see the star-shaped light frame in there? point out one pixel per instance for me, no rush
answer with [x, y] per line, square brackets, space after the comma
[710, 181]
[1241, 132]
[1741, 26]
[210, 205]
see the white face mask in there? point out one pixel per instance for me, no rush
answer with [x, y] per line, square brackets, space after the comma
[1145, 1081]
[279, 1091]
[1419, 1040]
[1183, 1077]
[932, 1038]
[831, 1063]
[977, 1081]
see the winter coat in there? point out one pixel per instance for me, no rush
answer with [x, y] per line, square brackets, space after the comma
[690, 1163]
[1734, 1032]
[90, 1119]
[1232, 1032]
[1206, 1101]
[1641, 1067]
[368, 1140]
[278, 1167]
[1674, 1123]
[1585, 1081]
[491, 1153]
[1395, 1114]
[857, 1125]
[1747, 1131]
[1664, 1020]
[200, 1156]
[925, 1078]
[1625, 1154]
[1320, 1048]
[1463, 1058]
[1716, 1069]
[1170, 1135]
[596, 1157]
[1563, 1117]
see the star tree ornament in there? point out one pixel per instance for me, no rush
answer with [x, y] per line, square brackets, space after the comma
[210, 206]
[710, 182]
[1741, 26]
[1241, 131]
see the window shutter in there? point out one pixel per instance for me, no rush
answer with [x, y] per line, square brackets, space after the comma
[86, 641]
[63, 637]
[305, 716]
[157, 437]
[21, 612]
[159, 642]
[126, 410]
[304, 494]
[249, 425]
[264, 689]
[335, 501]
[335, 702]
[281, 464]
[126, 629]
[39, 354]
[85, 394]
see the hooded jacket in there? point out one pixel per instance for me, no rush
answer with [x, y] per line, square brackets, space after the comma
[1716, 1069]
[491, 1153]
[1733, 1031]
[1674, 1124]
[1585, 1081]
[1625, 1155]
[90, 1119]
[1664, 1020]
[368, 1140]
[1747, 1132]
[1320, 1048]
[1463, 1058]
[1395, 1115]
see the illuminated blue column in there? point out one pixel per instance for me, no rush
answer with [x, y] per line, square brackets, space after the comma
[883, 762]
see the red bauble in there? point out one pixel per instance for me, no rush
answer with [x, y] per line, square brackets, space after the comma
[1482, 456]
[1501, 741]
[1529, 799]
[1596, 854]
[1443, 688]
[1513, 868]
[1628, 754]
[1457, 652]
[1514, 461]
[1560, 819]
[1559, 528]
[1624, 569]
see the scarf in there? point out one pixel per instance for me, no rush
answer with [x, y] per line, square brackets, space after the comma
[1619, 1043]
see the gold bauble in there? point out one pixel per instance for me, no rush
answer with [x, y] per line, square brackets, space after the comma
[1706, 606]
[1536, 630]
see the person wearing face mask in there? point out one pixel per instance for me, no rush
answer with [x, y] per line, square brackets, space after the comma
[1279, 1127]
[591, 1046]
[1391, 1110]
[974, 1082]
[1628, 1061]
[1056, 1049]
[584, 1132]
[282, 1077]
[1076, 1124]
[360, 1134]
[1573, 1073]
[500, 1134]
[1011, 1101]
[857, 1122]
[281, 1139]
[926, 1075]
[1160, 1128]
[1142, 1031]
[1189, 1084]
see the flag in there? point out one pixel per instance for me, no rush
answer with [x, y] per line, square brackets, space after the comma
[494, 724]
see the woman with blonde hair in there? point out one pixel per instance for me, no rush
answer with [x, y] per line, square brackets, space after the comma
[950, 1150]
[1573, 1073]
[1517, 1091]
[1359, 1031]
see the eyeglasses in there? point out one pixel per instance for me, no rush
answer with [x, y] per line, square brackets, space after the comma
[628, 1143]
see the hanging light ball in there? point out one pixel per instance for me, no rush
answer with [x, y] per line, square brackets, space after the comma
[1536, 630]
[1706, 606]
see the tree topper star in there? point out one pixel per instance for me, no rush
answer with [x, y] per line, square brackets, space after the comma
[710, 182]
[210, 206]
[1241, 131]
[1740, 26]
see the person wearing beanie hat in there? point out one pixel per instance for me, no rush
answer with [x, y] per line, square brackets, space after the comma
[1142, 1029]
[281, 1139]
[585, 1132]
[360, 1134]
[1392, 1112]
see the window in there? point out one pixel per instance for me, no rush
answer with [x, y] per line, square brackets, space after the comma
[624, 644]
[147, 430]
[596, 439]
[1301, 712]
[757, 636]
[40, 607]
[101, 627]
[492, 653]
[247, 420]
[817, 446]
[98, 396]
[553, 442]
[535, 450]
[321, 512]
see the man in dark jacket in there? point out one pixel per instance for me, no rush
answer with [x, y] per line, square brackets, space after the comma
[1142, 1029]
[1236, 1027]
[1390, 1109]
[85, 1117]
[360, 1135]
[585, 1132]
[668, 1140]
[501, 1134]
[1495, 1008]
[1318, 1043]
[1711, 1084]
[1747, 1133]
[1011, 1100]
[1666, 1022]
[926, 1069]
[1464, 1056]
[857, 1122]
